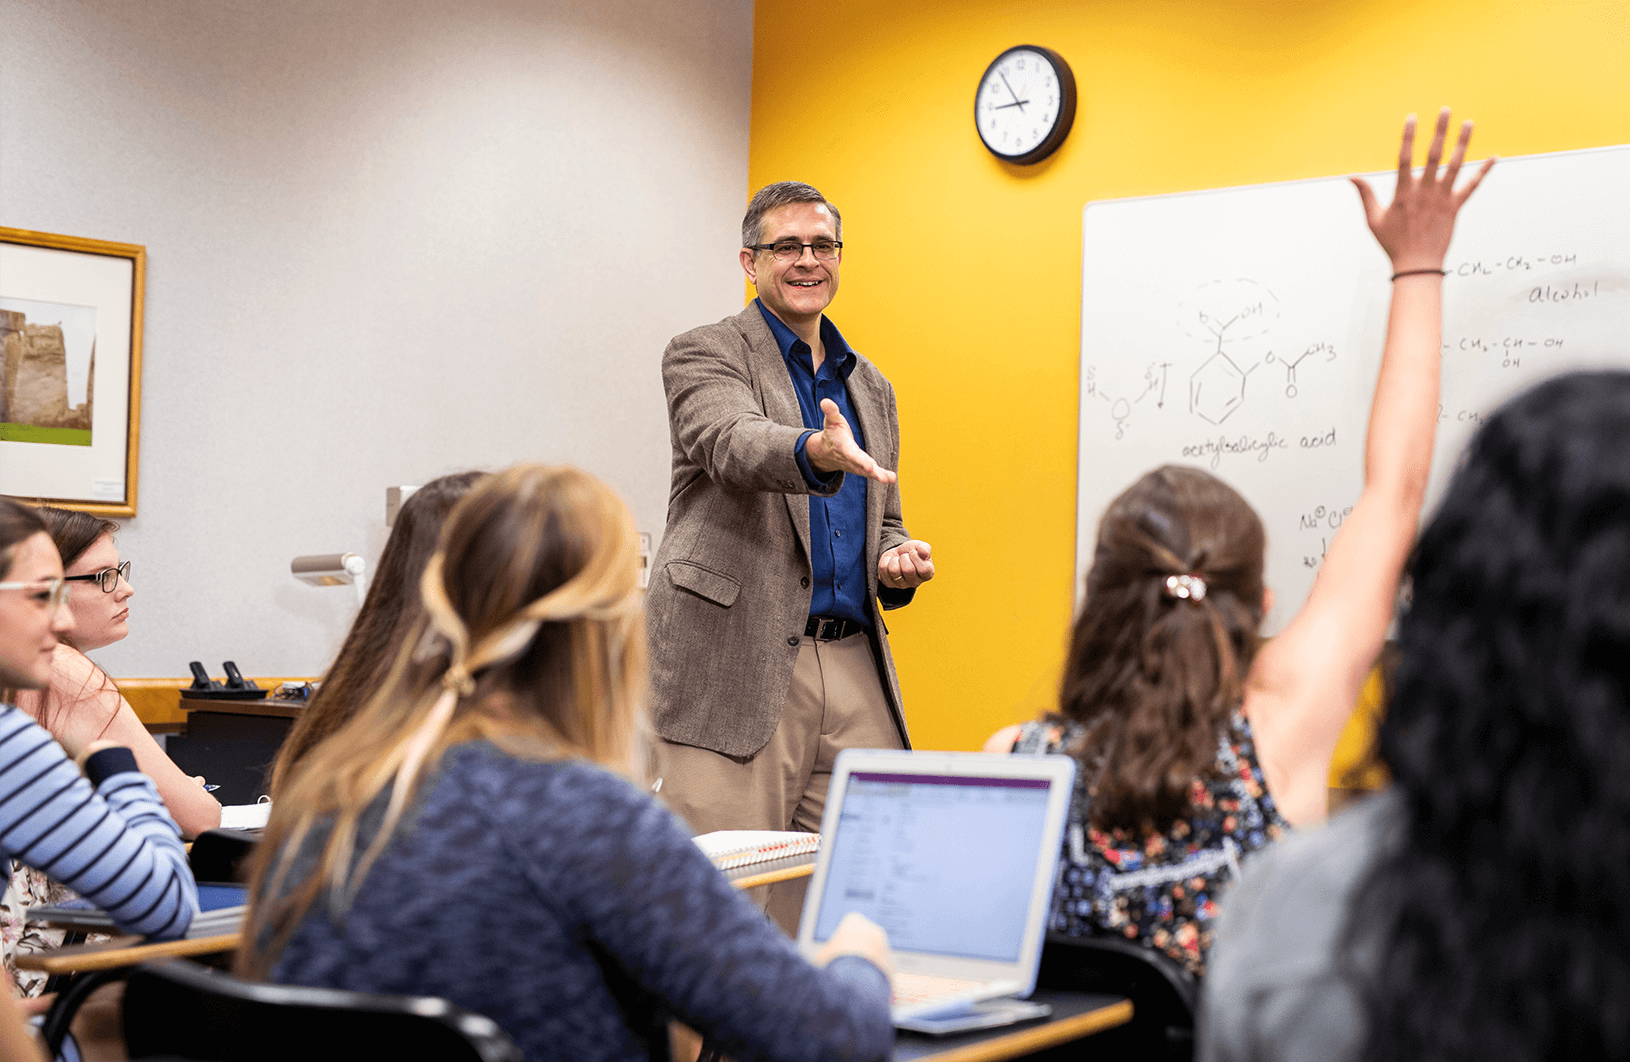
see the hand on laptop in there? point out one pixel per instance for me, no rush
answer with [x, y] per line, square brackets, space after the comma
[859, 935]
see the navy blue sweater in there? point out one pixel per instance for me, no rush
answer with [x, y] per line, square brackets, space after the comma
[563, 903]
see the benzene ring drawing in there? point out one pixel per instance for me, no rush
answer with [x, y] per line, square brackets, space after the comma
[1223, 313]
[1217, 388]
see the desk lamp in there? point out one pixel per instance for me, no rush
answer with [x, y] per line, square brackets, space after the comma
[332, 569]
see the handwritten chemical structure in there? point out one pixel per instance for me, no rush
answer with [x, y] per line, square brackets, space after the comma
[1515, 263]
[1510, 349]
[1120, 408]
[1224, 313]
[1327, 349]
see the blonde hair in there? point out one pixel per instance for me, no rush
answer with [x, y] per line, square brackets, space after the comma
[532, 639]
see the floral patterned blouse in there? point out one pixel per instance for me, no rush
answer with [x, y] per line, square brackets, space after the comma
[1161, 889]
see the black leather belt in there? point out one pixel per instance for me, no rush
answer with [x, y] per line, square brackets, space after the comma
[827, 629]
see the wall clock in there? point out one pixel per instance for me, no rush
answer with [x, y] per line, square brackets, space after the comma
[1025, 104]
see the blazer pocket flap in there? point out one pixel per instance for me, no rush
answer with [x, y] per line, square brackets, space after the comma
[719, 589]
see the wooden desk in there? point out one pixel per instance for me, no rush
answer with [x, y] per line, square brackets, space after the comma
[123, 951]
[129, 951]
[753, 881]
[1075, 1015]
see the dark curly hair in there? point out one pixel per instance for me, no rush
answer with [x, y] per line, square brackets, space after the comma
[1153, 679]
[1500, 907]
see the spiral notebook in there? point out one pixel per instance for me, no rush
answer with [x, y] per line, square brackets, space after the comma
[742, 853]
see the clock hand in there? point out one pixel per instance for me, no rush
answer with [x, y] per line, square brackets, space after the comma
[1017, 102]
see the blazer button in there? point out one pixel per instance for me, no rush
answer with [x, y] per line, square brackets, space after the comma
[804, 582]
[793, 640]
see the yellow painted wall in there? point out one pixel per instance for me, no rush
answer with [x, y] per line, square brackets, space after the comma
[961, 275]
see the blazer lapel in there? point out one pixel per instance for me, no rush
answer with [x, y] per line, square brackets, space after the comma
[769, 368]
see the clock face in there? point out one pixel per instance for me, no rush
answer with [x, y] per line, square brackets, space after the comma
[1025, 104]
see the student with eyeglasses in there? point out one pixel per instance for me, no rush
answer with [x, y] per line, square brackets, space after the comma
[82, 703]
[103, 833]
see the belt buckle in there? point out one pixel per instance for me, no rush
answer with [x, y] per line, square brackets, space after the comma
[831, 629]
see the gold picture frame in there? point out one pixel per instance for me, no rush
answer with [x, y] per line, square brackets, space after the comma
[80, 454]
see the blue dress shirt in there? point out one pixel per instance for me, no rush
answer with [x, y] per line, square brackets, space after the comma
[837, 525]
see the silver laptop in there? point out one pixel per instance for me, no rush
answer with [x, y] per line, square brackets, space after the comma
[954, 854]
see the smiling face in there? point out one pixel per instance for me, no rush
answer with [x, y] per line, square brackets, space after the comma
[99, 619]
[29, 626]
[796, 291]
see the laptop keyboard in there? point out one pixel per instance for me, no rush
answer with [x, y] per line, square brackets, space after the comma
[911, 989]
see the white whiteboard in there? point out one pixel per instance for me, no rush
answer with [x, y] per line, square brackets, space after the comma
[1240, 330]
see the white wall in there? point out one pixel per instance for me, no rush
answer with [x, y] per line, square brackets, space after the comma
[387, 239]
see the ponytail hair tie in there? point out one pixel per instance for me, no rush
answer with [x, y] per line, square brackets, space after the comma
[458, 681]
[1190, 586]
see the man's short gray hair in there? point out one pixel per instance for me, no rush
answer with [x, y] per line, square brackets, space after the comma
[780, 194]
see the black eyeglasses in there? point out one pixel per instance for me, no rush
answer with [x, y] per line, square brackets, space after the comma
[107, 578]
[792, 250]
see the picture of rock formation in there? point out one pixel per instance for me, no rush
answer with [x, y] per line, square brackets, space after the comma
[35, 368]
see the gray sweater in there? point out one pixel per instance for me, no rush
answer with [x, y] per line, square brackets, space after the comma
[1273, 992]
[564, 904]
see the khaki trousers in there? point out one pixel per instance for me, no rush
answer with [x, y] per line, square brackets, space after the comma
[835, 701]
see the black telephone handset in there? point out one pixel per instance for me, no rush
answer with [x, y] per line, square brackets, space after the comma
[236, 688]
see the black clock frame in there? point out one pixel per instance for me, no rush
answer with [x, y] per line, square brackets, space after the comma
[1066, 112]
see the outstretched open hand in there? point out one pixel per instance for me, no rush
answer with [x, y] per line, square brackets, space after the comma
[1414, 229]
[833, 448]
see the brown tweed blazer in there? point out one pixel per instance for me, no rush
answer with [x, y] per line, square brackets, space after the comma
[730, 585]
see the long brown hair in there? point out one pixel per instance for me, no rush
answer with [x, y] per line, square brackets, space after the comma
[18, 523]
[73, 532]
[392, 608]
[1152, 677]
[532, 638]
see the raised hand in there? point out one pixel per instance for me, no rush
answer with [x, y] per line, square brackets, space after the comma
[906, 566]
[1414, 229]
[833, 448]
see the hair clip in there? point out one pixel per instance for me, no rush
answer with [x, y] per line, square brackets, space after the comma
[1192, 587]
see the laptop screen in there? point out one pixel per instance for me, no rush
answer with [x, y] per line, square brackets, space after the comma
[944, 863]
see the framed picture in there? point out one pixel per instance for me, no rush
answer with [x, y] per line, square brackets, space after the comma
[70, 375]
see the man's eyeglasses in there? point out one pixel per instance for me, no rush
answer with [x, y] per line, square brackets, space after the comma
[792, 250]
[107, 578]
[50, 592]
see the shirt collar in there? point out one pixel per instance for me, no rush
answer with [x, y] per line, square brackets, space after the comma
[796, 351]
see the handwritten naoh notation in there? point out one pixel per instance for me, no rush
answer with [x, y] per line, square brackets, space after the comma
[1516, 263]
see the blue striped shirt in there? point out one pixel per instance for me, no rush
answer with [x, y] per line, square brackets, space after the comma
[115, 844]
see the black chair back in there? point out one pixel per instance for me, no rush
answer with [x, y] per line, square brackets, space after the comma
[184, 1009]
[1164, 994]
